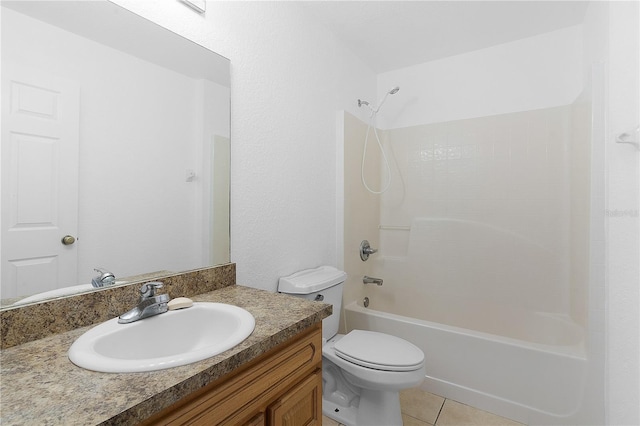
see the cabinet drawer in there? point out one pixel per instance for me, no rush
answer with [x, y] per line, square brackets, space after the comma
[237, 397]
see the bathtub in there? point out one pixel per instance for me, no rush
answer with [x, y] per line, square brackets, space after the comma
[531, 368]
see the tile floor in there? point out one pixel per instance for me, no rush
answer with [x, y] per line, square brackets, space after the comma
[420, 408]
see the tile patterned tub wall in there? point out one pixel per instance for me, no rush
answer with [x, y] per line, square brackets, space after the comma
[27, 323]
[508, 171]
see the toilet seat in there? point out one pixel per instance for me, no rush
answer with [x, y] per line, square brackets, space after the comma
[379, 351]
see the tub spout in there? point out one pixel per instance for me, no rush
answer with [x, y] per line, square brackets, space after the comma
[371, 280]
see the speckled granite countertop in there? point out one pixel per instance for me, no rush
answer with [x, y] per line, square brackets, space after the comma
[39, 385]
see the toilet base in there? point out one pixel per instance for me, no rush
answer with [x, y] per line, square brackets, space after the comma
[343, 415]
[375, 408]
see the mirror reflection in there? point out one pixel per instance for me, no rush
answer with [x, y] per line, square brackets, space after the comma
[115, 149]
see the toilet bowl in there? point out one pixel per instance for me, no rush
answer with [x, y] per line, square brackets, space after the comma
[370, 379]
[362, 371]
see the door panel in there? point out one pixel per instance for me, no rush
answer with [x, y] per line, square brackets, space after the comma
[40, 145]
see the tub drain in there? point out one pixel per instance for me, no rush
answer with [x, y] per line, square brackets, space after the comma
[365, 302]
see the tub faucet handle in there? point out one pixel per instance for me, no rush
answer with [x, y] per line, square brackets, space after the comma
[366, 250]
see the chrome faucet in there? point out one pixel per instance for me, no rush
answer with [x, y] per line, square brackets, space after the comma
[371, 280]
[105, 278]
[149, 305]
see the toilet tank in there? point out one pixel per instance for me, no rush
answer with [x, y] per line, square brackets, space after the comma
[323, 284]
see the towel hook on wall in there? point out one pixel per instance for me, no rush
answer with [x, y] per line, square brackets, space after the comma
[630, 137]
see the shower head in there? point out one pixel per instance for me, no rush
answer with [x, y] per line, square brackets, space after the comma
[393, 91]
[374, 110]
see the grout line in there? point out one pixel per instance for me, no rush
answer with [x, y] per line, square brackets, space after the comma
[440, 411]
[418, 419]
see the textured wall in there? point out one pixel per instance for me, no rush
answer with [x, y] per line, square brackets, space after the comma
[288, 77]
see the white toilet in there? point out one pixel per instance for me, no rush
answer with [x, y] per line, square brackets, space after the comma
[362, 371]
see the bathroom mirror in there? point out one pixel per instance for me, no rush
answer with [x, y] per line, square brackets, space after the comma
[115, 148]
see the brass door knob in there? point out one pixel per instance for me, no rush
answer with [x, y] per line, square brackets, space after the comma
[67, 240]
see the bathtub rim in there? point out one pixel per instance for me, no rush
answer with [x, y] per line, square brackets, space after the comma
[576, 351]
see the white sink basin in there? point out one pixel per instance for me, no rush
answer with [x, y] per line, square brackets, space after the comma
[167, 340]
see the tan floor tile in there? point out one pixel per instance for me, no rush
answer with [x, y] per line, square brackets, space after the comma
[412, 421]
[326, 421]
[420, 404]
[456, 414]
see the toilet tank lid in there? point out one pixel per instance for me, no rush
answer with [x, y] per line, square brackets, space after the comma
[311, 280]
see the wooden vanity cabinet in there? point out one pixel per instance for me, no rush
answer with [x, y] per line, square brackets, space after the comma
[302, 405]
[282, 387]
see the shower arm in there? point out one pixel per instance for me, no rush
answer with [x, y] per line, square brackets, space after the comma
[375, 110]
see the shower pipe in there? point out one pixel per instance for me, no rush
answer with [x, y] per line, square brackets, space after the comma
[372, 123]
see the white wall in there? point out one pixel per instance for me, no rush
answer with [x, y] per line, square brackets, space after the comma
[611, 41]
[536, 72]
[288, 77]
[622, 221]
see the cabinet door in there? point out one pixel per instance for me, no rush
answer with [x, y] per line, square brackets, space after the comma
[258, 420]
[300, 406]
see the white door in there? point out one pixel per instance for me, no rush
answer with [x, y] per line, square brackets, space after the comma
[40, 134]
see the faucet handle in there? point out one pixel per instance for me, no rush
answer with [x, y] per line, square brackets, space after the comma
[104, 278]
[103, 272]
[366, 250]
[149, 289]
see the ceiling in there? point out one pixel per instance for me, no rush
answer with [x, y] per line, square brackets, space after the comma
[111, 25]
[389, 35]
